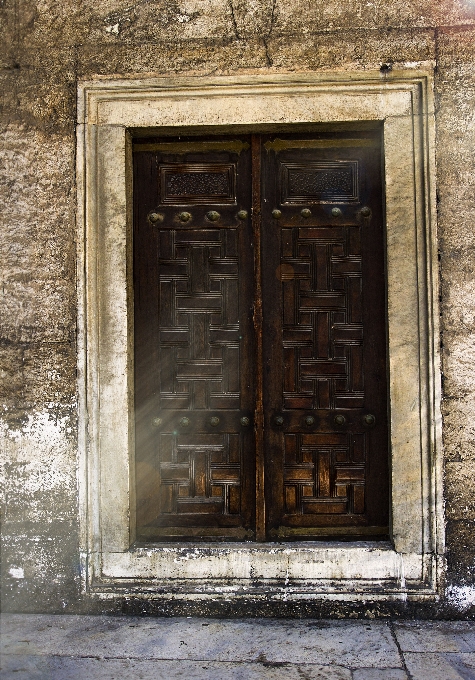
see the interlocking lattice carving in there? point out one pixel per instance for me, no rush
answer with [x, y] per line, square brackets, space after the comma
[200, 473]
[323, 355]
[324, 474]
[305, 182]
[322, 331]
[199, 319]
[196, 183]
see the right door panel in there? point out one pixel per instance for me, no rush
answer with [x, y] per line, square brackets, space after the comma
[325, 384]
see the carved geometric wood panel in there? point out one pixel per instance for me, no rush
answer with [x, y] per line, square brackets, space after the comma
[319, 182]
[200, 473]
[322, 324]
[199, 330]
[322, 331]
[196, 183]
[199, 319]
[324, 473]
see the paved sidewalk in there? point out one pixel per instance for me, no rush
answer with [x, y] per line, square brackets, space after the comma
[44, 647]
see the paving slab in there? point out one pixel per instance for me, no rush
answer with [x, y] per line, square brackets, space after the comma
[380, 674]
[19, 667]
[449, 666]
[46, 647]
[351, 644]
[435, 636]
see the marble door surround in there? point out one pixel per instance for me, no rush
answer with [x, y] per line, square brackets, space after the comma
[110, 112]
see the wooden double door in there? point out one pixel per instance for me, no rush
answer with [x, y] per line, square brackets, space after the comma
[259, 338]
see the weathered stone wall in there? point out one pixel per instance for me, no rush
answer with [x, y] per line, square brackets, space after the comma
[456, 194]
[47, 47]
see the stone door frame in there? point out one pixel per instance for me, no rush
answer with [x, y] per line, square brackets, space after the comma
[109, 111]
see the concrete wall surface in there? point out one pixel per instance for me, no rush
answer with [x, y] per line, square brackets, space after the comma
[47, 48]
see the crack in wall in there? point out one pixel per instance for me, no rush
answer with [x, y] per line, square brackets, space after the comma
[233, 18]
[266, 39]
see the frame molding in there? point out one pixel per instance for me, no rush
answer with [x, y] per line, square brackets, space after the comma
[408, 568]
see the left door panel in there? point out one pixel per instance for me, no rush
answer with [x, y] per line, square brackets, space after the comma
[193, 339]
